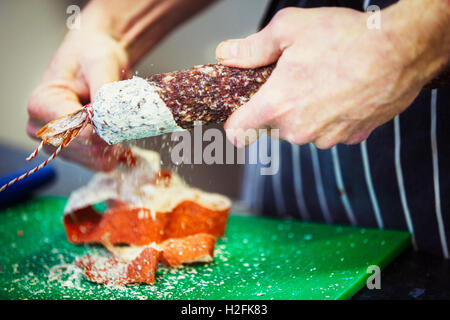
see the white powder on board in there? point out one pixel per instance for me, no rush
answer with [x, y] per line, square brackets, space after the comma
[131, 109]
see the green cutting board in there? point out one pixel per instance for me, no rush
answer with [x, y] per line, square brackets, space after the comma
[258, 258]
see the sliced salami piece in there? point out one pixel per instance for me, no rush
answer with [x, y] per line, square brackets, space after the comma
[144, 204]
[115, 271]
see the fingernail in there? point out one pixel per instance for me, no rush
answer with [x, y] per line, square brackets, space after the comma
[227, 50]
[231, 136]
[241, 138]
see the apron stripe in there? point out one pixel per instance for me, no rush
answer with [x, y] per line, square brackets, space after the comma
[401, 186]
[250, 176]
[298, 187]
[366, 4]
[319, 184]
[437, 196]
[368, 176]
[340, 185]
[277, 187]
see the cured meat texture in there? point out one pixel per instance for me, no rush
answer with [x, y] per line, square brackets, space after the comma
[132, 264]
[151, 216]
[207, 93]
[168, 102]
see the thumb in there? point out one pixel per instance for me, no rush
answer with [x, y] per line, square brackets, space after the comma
[257, 50]
[101, 69]
[50, 101]
[242, 126]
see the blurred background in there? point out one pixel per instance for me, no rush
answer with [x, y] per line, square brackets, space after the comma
[30, 31]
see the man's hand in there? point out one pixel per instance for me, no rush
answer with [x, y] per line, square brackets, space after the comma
[335, 79]
[114, 35]
[83, 63]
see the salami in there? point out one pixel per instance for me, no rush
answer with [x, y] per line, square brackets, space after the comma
[138, 108]
[168, 102]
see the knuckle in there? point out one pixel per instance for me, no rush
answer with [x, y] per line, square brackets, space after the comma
[309, 133]
[298, 141]
[281, 22]
[357, 138]
[300, 138]
[283, 14]
[325, 143]
[249, 47]
[352, 140]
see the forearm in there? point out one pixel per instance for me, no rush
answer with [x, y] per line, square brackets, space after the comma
[420, 31]
[139, 24]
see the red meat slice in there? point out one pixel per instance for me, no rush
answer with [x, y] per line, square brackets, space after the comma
[196, 248]
[114, 271]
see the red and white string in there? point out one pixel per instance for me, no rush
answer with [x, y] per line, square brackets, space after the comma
[43, 164]
[35, 152]
[89, 113]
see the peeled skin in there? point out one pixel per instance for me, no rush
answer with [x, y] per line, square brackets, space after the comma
[185, 235]
[114, 271]
[116, 226]
[138, 264]
[135, 226]
[196, 248]
[152, 216]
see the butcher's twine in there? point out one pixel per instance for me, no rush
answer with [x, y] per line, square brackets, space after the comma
[89, 113]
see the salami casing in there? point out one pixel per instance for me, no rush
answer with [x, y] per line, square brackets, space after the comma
[168, 102]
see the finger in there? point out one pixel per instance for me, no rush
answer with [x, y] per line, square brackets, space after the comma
[92, 153]
[325, 142]
[260, 112]
[241, 127]
[100, 69]
[259, 49]
[358, 137]
[331, 134]
[90, 158]
[97, 156]
[52, 100]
